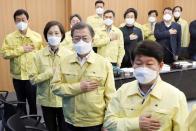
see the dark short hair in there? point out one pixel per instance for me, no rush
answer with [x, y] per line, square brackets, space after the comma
[99, 1]
[177, 7]
[167, 8]
[153, 11]
[75, 15]
[109, 11]
[21, 12]
[53, 23]
[82, 25]
[134, 11]
[149, 48]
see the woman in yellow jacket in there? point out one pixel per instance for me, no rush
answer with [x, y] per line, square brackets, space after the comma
[45, 62]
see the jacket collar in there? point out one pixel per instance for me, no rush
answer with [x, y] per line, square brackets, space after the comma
[155, 91]
[112, 28]
[48, 51]
[28, 34]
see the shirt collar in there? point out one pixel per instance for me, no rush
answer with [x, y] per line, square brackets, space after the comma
[89, 58]
[149, 90]
[112, 28]
[83, 60]
[97, 16]
[152, 23]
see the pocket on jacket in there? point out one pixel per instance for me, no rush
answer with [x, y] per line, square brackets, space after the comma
[94, 76]
[164, 116]
[15, 67]
[70, 77]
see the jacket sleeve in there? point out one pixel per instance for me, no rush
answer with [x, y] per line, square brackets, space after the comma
[192, 29]
[114, 119]
[191, 119]
[142, 32]
[61, 88]
[9, 51]
[160, 34]
[147, 31]
[126, 38]
[101, 39]
[178, 40]
[35, 75]
[109, 84]
[121, 49]
[140, 37]
[181, 114]
[186, 37]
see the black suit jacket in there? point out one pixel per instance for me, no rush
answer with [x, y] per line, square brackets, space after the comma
[162, 36]
[192, 45]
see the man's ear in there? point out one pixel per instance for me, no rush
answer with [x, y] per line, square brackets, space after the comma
[161, 65]
[28, 22]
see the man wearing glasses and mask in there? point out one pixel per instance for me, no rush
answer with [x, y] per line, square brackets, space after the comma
[85, 82]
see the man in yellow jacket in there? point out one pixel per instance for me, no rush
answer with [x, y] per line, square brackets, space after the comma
[19, 47]
[113, 49]
[85, 82]
[150, 26]
[41, 74]
[67, 42]
[96, 21]
[185, 37]
[148, 103]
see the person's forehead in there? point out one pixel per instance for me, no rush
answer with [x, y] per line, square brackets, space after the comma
[130, 14]
[75, 18]
[178, 9]
[81, 32]
[153, 13]
[144, 58]
[99, 5]
[168, 11]
[21, 16]
[108, 14]
[54, 28]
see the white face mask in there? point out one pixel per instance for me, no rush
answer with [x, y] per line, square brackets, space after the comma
[99, 11]
[130, 21]
[152, 19]
[177, 14]
[108, 22]
[54, 40]
[144, 75]
[22, 26]
[82, 47]
[167, 17]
